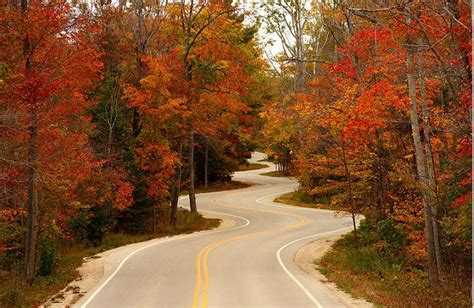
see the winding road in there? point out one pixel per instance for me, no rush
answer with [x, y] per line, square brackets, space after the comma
[246, 263]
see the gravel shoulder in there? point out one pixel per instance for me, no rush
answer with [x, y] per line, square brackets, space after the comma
[305, 258]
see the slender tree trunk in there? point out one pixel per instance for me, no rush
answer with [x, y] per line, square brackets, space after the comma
[192, 193]
[31, 242]
[421, 164]
[188, 77]
[136, 121]
[432, 191]
[176, 188]
[351, 197]
[33, 207]
[206, 161]
[300, 66]
[109, 141]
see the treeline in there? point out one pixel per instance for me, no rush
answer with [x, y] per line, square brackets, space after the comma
[373, 109]
[109, 111]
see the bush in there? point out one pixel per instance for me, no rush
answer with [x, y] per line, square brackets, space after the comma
[383, 231]
[48, 255]
[12, 236]
[188, 219]
[303, 196]
[99, 224]
[90, 228]
[11, 298]
[79, 228]
[390, 233]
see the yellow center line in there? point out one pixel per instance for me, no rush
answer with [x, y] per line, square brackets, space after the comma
[204, 253]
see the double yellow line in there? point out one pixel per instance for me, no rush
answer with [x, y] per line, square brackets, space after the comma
[202, 275]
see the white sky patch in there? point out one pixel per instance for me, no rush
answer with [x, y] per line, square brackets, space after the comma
[270, 41]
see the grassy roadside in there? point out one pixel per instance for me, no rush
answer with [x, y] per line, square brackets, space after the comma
[251, 166]
[378, 270]
[386, 278]
[302, 199]
[276, 174]
[14, 292]
[231, 185]
[298, 198]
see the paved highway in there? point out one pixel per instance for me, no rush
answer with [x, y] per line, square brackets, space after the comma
[247, 263]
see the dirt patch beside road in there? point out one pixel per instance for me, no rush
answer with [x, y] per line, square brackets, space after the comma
[307, 255]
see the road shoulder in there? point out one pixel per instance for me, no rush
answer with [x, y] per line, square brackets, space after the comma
[305, 259]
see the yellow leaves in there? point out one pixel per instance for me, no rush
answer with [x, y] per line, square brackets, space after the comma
[223, 64]
[176, 102]
[156, 84]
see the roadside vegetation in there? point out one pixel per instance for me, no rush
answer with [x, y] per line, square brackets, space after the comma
[251, 166]
[371, 112]
[276, 174]
[215, 187]
[381, 271]
[58, 263]
[377, 265]
[303, 199]
[109, 111]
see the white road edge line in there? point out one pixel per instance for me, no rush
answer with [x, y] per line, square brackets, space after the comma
[302, 287]
[247, 222]
[278, 253]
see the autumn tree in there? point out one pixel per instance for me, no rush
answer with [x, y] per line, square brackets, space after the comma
[377, 117]
[49, 64]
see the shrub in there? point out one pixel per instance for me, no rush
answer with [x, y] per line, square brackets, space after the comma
[48, 256]
[100, 222]
[78, 227]
[303, 196]
[383, 231]
[390, 233]
[12, 298]
[188, 219]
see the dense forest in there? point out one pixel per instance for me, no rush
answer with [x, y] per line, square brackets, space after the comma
[109, 111]
[373, 116]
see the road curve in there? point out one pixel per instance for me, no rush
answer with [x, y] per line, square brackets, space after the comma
[249, 264]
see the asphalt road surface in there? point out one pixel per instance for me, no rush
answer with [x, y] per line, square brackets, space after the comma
[249, 263]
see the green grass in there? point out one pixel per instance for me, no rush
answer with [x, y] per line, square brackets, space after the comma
[276, 174]
[251, 166]
[14, 292]
[302, 199]
[386, 279]
[230, 185]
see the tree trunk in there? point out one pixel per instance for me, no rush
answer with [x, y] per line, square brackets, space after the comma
[31, 241]
[136, 121]
[351, 197]
[192, 193]
[109, 141]
[176, 188]
[33, 207]
[206, 161]
[380, 172]
[432, 191]
[420, 164]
